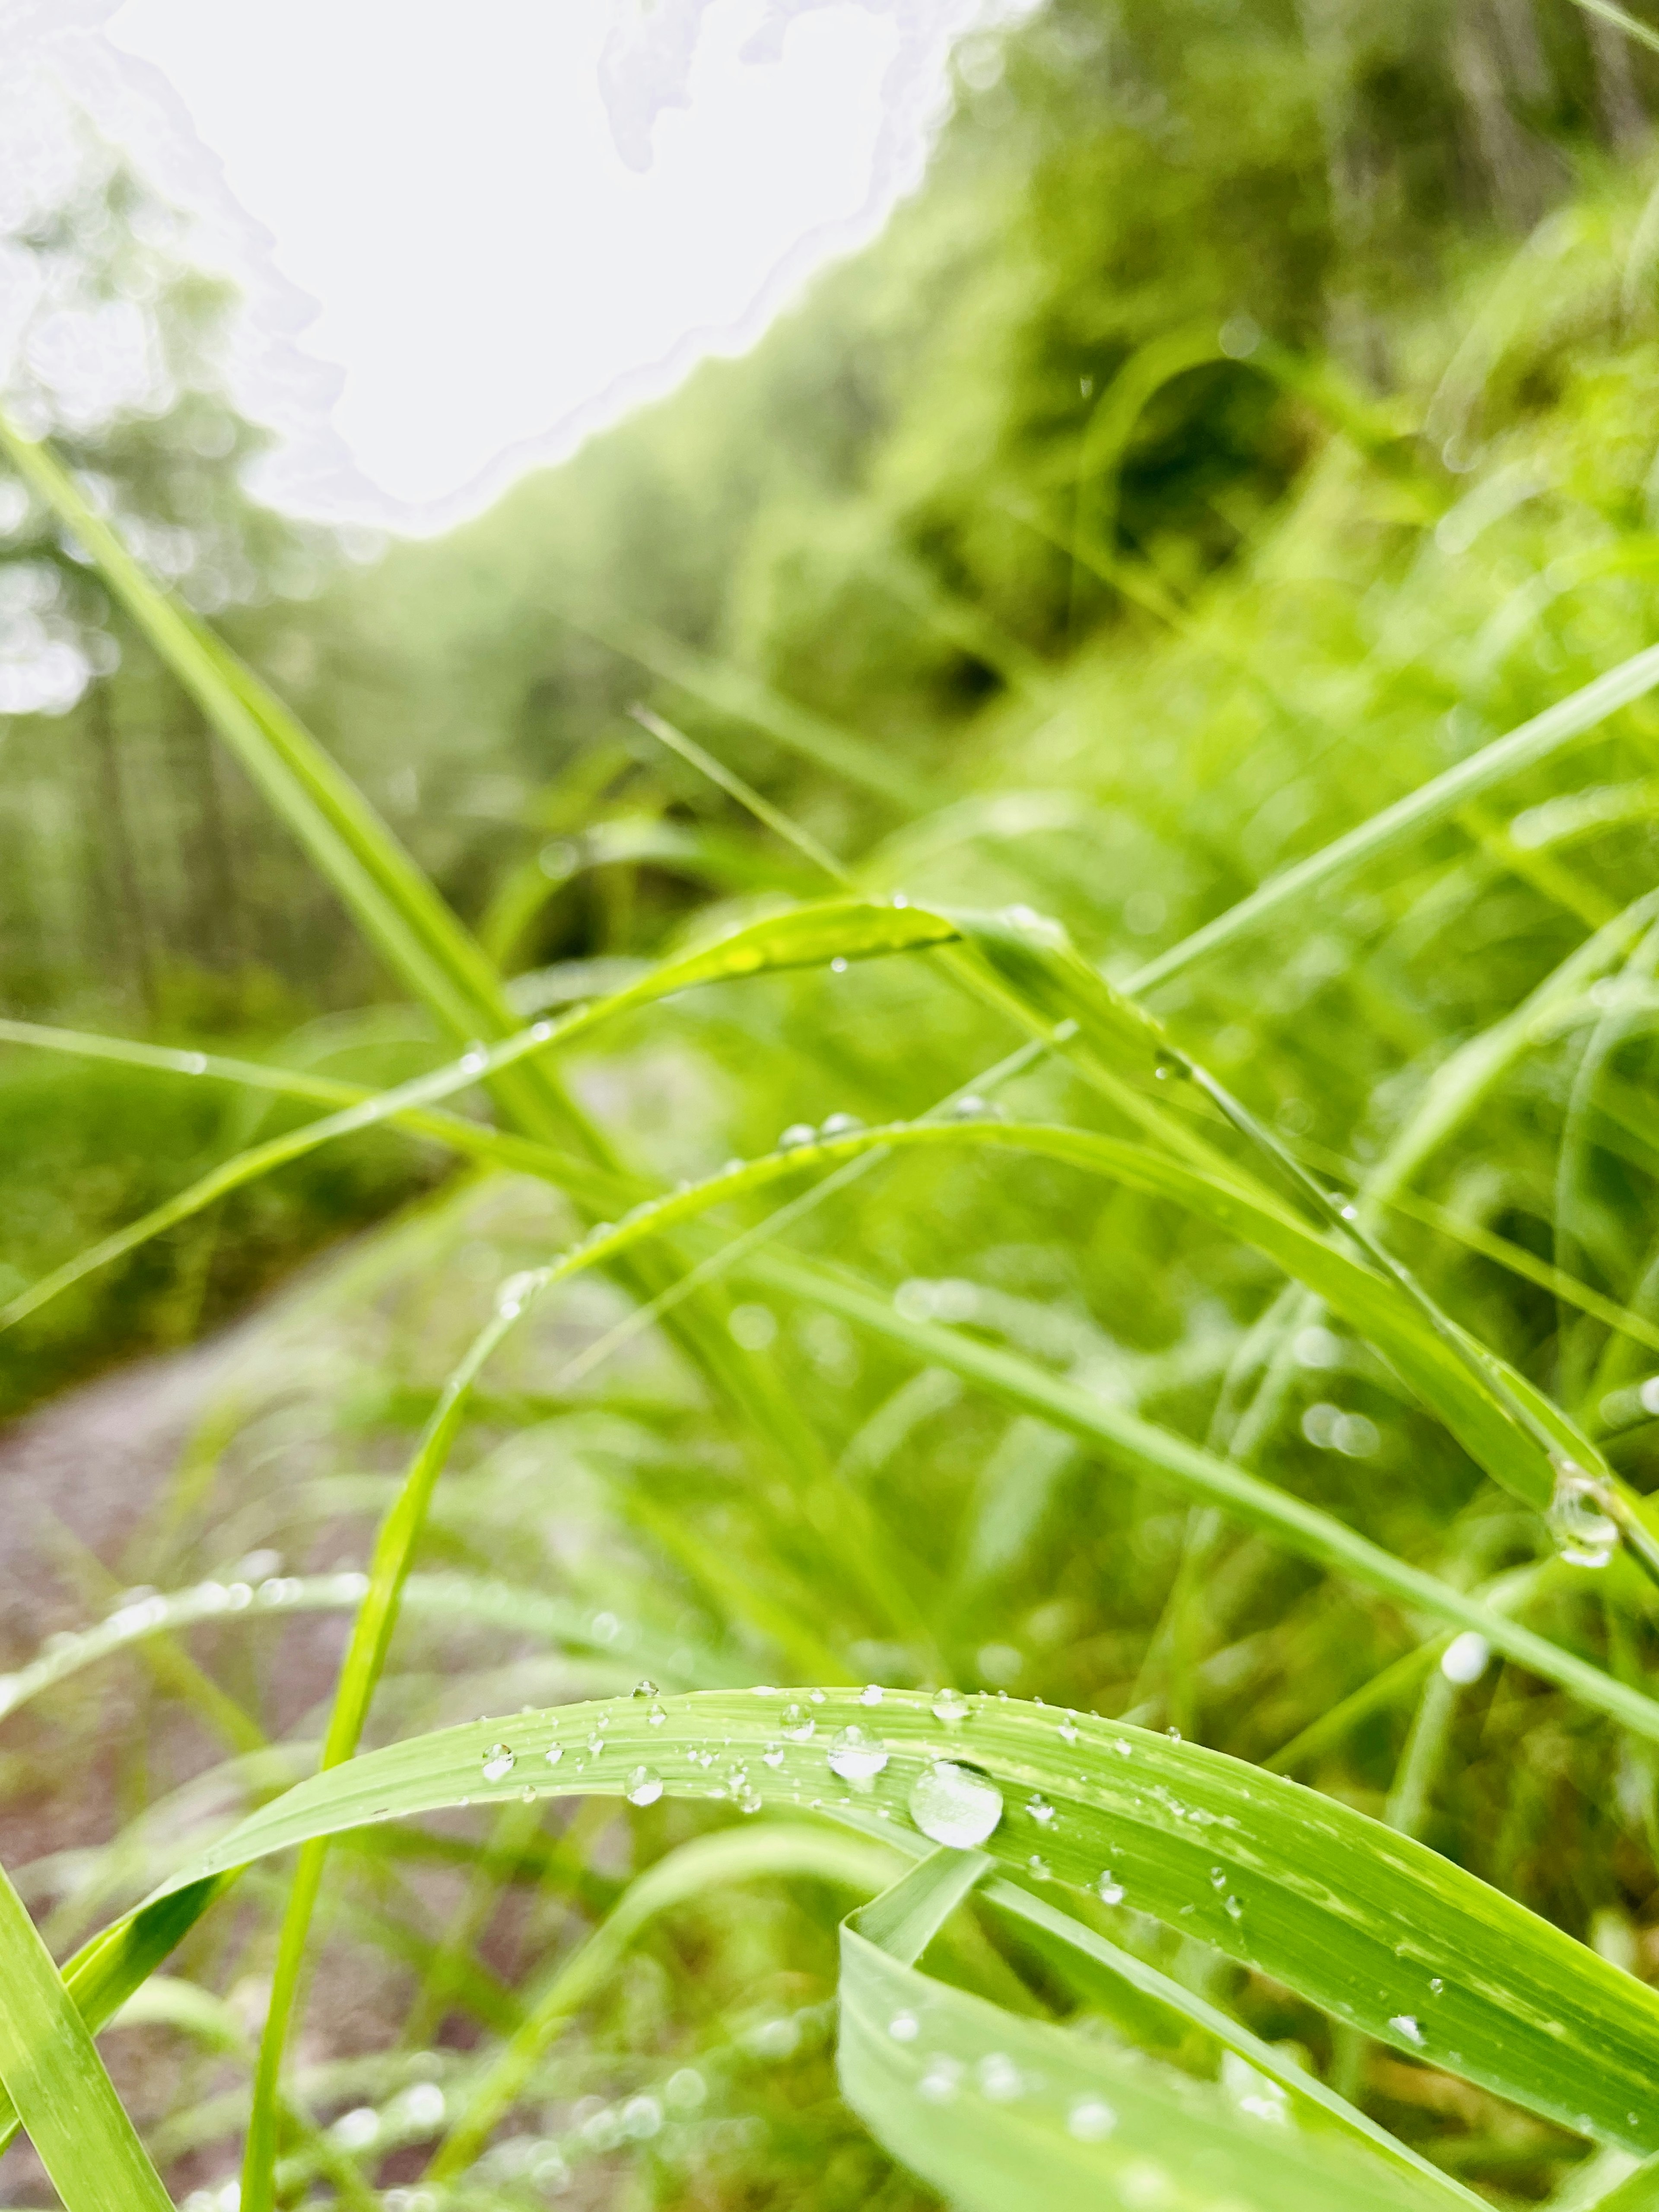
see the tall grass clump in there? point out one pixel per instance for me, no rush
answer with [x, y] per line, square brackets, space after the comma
[1033, 1440]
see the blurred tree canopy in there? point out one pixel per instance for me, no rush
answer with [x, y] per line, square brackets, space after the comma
[1159, 250]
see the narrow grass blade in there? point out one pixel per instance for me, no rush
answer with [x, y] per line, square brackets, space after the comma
[55, 2080]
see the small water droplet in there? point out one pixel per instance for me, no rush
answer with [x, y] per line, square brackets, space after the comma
[528, 1794]
[841, 1125]
[499, 1762]
[1465, 1658]
[773, 1755]
[1123, 1747]
[796, 1723]
[815, 1697]
[511, 1296]
[596, 1742]
[870, 1694]
[1218, 1877]
[645, 1689]
[999, 2078]
[1232, 1908]
[554, 1753]
[195, 1063]
[1404, 2023]
[1583, 1534]
[644, 1786]
[1068, 1731]
[1436, 1986]
[955, 1805]
[1037, 1867]
[950, 1707]
[838, 965]
[474, 1059]
[655, 1714]
[1040, 1811]
[797, 1134]
[1109, 1889]
[1174, 1735]
[939, 2079]
[1091, 2119]
[855, 1756]
[904, 2028]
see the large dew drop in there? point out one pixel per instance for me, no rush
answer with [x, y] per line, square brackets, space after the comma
[644, 1786]
[857, 1756]
[955, 1805]
[499, 1762]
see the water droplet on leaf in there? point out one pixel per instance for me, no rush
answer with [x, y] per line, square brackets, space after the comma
[955, 1805]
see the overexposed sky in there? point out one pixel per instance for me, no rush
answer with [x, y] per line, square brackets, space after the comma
[470, 230]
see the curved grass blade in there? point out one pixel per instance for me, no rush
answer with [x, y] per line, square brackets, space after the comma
[1367, 1924]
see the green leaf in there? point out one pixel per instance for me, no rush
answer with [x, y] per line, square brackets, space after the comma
[999, 2113]
[55, 2080]
[1365, 1922]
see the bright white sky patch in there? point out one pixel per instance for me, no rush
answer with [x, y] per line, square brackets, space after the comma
[455, 262]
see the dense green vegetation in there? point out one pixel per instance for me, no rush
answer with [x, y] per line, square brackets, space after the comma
[1063, 1170]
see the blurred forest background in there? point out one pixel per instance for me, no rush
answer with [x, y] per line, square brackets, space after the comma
[869, 563]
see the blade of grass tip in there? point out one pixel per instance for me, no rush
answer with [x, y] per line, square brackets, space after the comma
[734, 786]
[1430, 803]
[54, 2076]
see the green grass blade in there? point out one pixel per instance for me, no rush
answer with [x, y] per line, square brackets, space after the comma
[1369, 1924]
[999, 2113]
[57, 2082]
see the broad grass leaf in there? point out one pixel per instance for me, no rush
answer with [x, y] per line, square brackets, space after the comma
[1363, 1922]
[998, 2112]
